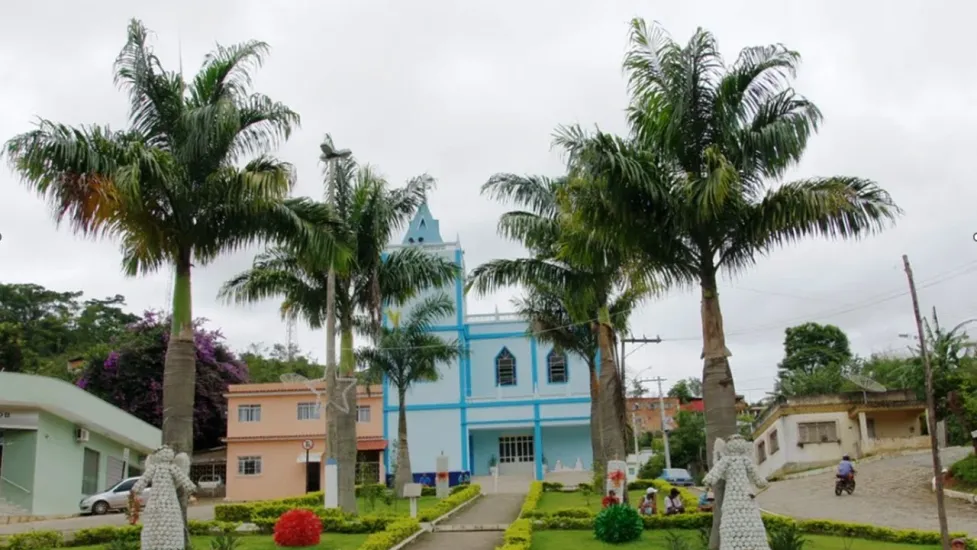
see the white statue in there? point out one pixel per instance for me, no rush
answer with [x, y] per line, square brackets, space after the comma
[162, 519]
[741, 527]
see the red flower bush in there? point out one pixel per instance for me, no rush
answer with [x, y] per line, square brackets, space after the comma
[298, 527]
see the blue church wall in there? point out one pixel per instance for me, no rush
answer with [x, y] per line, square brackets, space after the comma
[429, 433]
[565, 410]
[523, 413]
[567, 444]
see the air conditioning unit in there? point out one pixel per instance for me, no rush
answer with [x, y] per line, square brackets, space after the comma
[81, 435]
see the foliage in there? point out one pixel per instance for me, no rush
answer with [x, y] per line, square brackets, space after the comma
[816, 359]
[531, 501]
[299, 527]
[450, 503]
[786, 537]
[42, 329]
[394, 534]
[518, 536]
[123, 544]
[653, 467]
[687, 442]
[686, 389]
[131, 376]
[965, 471]
[675, 541]
[617, 524]
[225, 540]
[35, 540]
[268, 365]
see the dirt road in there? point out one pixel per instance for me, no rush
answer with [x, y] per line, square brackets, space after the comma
[893, 492]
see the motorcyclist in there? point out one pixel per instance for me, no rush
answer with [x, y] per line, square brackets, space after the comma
[846, 469]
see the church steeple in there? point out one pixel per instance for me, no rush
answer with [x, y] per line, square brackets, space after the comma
[424, 228]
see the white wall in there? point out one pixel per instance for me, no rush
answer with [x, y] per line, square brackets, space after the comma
[793, 456]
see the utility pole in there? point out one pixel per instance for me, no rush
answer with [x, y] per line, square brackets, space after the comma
[661, 405]
[624, 379]
[930, 410]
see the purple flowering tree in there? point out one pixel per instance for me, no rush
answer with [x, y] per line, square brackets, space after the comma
[131, 376]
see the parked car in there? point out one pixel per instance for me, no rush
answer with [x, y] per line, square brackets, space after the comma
[113, 499]
[209, 482]
[677, 476]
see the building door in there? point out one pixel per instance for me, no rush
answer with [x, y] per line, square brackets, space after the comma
[516, 455]
[870, 426]
[89, 472]
[312, 477]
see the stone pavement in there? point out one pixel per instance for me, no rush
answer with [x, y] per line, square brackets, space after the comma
[489, 509]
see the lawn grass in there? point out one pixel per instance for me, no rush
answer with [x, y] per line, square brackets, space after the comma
[552, 501]
[330, 541]
[655, 540]
[400, 506]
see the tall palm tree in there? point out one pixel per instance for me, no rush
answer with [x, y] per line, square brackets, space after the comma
[407, 352]
[548, 311]
[369, 211]
[176, 187]
[686, 190]
[596, 291]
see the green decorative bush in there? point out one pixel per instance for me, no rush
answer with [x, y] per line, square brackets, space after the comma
[394, 534]
[965, 471]
[532, 498]
[519, 536]
[786, 537]
[35, 540]
[450, 503]
[549, 486]
[617, 524]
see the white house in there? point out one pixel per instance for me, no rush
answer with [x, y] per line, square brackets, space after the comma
[800, 433]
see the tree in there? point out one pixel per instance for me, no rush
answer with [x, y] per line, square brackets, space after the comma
[592, 290]
[266, 365]
[407, 353]
[816, 360]
[368, 211]
[685, 192]
[687, 442]
[130, 376]
[682, 391]
[176, 187]
[638, 389]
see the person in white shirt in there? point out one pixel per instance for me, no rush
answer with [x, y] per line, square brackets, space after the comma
[673, 503]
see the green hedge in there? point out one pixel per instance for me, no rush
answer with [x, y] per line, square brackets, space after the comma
[573, 519]
[446, 505]
[519, 535]
[394, 534]
[38, 540]
[532, 499]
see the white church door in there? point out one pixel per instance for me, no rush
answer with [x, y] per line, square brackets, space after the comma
[517, 455]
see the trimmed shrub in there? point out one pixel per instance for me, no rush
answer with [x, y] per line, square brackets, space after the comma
[394, 534]
[532, 499]
[450, 503]
[549, 486]
[299, 527]
[35, 540]
[617, 524]
[518, 536]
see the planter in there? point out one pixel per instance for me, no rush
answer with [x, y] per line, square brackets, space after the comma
[494, 470]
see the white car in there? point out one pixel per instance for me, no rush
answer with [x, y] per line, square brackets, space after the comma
[116, 498]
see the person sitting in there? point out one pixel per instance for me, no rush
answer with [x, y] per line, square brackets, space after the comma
[649, 504]
[958, 544]
[673, 503]
[610, 500]
[846, 469]
[706, 501]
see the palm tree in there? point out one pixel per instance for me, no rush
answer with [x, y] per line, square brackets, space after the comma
[369, 211]
[407, 353]
[595, 291]
[176, 187]
[685, 192]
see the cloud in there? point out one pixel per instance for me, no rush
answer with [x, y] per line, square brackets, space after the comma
[464, 92]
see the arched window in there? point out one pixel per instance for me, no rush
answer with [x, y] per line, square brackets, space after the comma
[505, 368]
[556, 368]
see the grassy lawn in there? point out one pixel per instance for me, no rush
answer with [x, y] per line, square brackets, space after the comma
[400, 506]
[653, 540]
[553, 501]
[330, 541]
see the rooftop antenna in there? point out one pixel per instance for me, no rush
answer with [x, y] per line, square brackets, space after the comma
[866, 384]
[290, 338]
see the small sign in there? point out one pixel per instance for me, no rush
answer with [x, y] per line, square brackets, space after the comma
[973, 434]
[412, 490]
[125, 455]
[308, 444]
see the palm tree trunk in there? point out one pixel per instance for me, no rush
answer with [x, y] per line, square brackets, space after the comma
[718, 391]
[346, 422]
[611, 407]
[597, 449]
[404, 474]
[180, 372]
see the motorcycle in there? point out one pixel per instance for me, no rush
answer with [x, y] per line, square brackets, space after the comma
[845, 484]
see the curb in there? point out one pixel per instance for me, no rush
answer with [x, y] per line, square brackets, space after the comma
[427, 527]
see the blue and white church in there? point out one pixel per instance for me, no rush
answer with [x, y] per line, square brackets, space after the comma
[512, 401]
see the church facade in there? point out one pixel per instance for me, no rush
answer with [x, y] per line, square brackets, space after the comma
[511, 401]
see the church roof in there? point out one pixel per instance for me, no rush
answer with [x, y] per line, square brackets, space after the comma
[423, 228]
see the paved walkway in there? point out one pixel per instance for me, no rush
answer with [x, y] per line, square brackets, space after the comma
[892, 492]
[500, 509]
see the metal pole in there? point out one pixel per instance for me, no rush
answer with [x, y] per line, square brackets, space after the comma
[634, 428]
[930, 410]
[661, 404]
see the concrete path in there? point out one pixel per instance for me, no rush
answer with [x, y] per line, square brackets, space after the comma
[203, 512]
[892, 492]
[500, 509]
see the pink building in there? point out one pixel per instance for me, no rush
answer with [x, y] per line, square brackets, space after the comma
[267, 425]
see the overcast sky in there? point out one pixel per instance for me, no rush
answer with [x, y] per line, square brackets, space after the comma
[462, 90]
